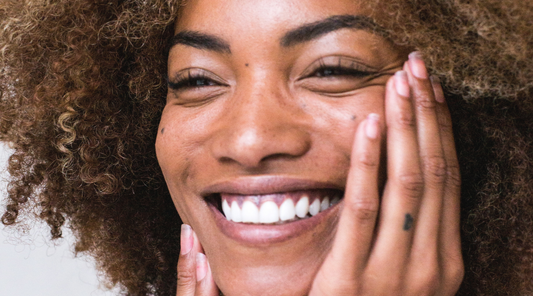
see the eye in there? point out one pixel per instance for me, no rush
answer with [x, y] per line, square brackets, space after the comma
[191, 78]
[336, 75]
[328, 71]
[195, 86]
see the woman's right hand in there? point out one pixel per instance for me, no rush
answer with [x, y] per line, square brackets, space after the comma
[194, 273]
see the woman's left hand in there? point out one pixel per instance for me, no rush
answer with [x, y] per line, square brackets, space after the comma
[407, 241]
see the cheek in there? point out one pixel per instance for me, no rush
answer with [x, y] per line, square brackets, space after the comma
[336, 119]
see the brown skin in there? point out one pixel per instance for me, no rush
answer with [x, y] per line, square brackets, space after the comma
[266, 116]
[95, 167]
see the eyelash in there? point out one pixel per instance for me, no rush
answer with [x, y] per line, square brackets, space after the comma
[199, 79]
[332, 71]
[190, 80]
[336, 68]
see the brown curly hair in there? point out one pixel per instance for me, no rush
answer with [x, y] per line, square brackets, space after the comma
[82, 87]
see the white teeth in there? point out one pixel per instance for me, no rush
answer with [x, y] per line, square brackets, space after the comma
[286, 210]
[235, 212]
[302, 207]
[269, 212]
[314, 208]
[250, 212]
[334, 201]
[324, 205]
[226, 209]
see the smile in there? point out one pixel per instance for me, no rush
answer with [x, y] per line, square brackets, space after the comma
[277, 208]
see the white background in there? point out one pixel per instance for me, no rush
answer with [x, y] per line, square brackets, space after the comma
[30, 265]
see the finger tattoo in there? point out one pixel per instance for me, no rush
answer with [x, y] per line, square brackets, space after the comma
[408, 223]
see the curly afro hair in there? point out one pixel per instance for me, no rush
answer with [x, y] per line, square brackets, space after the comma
[82, 87]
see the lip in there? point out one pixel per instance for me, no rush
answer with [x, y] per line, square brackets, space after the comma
[258, 235]
[259, 185]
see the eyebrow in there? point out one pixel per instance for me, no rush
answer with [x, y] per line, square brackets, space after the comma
[200, 41]
[311, 31]
[302, 34]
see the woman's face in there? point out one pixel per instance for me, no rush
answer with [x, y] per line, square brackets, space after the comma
[263, 102]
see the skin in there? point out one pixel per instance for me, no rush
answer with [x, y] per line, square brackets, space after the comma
[267, 115]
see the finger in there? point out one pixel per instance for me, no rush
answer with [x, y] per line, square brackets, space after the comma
[449, 232]
[355, 230]
[205, 285]
[432, 158]
[404, 185]
[353, 239]
[425, 264]
[187, 262]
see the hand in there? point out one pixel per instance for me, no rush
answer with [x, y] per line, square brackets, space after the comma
[413, 246]
[194, 273]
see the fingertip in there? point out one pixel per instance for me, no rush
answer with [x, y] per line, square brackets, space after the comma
[437, 89]
[201, 267]
[372, 128]
[186, 239]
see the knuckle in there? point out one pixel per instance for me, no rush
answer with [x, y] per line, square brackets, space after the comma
[412, 184]
[364, 208]
[406, 120]
[425, 103]
[426, 282]
[453, 176]
[436, 167]
[445, 124]
[367, 160]
[185, 278]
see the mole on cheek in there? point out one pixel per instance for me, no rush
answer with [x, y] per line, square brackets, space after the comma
[162, 130]
[353, 117]
[246, 64]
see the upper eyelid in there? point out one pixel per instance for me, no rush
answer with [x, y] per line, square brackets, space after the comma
[186, 73]
[338, 61]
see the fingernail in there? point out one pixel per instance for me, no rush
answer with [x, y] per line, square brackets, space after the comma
[437, 88]
[401, 84]
[201, 267]
[372, 126]
[417, 66]
[186, 240]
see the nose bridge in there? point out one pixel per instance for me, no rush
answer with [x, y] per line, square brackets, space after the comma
[262, 122]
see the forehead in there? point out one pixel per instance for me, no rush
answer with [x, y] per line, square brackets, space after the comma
[263, 17]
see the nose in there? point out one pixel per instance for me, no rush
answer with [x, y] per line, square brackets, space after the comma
[262, 123]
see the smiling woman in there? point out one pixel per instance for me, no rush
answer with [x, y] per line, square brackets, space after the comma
[303, 148]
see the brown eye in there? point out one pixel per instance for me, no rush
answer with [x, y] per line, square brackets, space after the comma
[339, 71]
[191, 87]
[191, 79]
[336, 75]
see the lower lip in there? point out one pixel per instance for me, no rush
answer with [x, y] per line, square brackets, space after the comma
[261, 234]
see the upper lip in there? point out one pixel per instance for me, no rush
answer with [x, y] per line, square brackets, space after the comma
[260, 185]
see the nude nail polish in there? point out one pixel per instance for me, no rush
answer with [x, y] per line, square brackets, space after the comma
[372, 126]
[201, 267]
[401, 84]
[186, 240]
[417, 65]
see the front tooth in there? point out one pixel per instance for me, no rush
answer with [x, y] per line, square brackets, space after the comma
[226, 209]
[235, 212]
[324, 205]
[302, 207]
[269, 212]
[314, 208]
[286, 210]
[250, 212]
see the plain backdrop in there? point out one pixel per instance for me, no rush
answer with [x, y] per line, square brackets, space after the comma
[30, 265]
